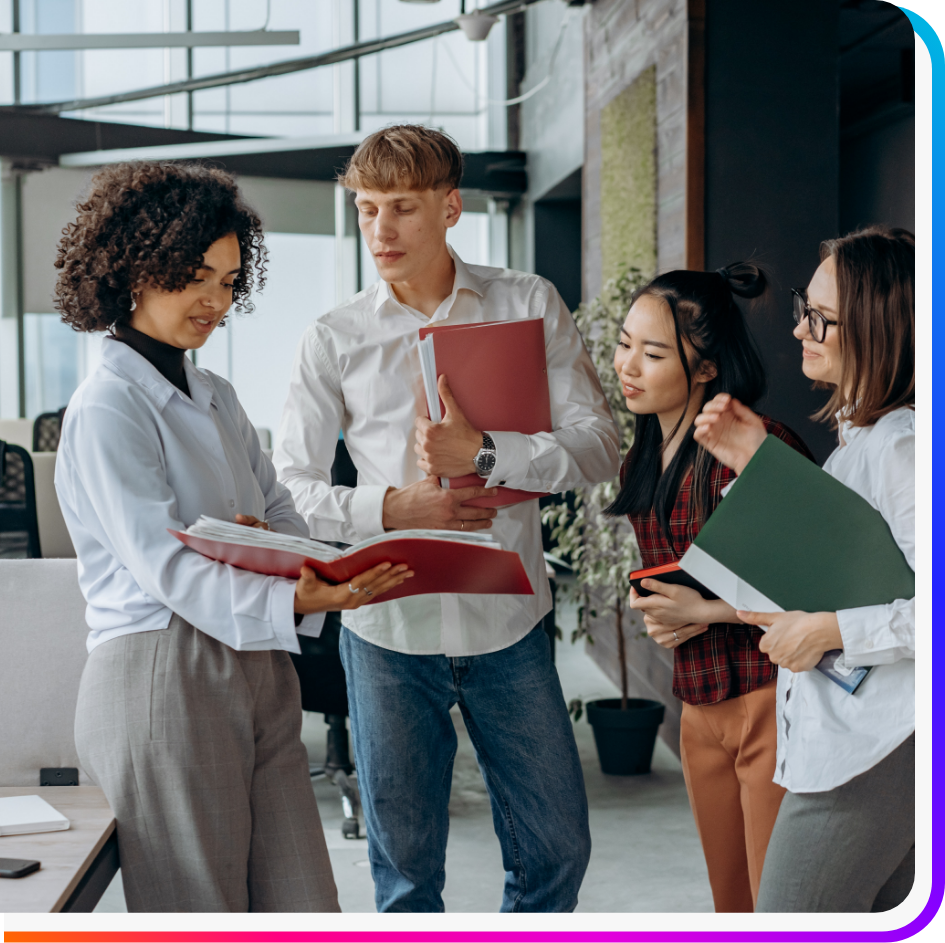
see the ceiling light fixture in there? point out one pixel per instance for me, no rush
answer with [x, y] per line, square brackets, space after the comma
[476, 25]
[29, 42]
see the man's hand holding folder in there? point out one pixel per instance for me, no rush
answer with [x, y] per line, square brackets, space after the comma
[425, 504]
[498, 371]
[447, 448]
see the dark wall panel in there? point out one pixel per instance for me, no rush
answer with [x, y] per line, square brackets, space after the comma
[877, 179]
[772, 169]
[558, 247]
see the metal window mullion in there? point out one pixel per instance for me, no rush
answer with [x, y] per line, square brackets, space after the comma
[190, 66]
[18, 290]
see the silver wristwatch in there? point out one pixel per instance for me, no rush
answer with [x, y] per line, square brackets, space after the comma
[485, 457]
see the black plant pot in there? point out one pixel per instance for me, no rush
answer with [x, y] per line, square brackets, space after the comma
[625, 738]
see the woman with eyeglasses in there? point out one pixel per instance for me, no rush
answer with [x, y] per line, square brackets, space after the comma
[844, 837]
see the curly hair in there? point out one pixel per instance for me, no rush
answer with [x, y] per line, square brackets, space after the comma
[150, 222]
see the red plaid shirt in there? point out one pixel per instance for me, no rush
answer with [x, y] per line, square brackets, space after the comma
[725, 661]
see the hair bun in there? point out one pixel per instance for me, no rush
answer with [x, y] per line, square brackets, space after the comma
[743, 279]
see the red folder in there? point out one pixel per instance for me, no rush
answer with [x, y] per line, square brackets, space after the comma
[440, 566]
[499, 377]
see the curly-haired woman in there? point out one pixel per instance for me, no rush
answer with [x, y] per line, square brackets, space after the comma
[189, 709]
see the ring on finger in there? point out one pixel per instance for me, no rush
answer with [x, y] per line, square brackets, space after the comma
[368, 592]
[462, 525]
[675, 636]
[351, 589]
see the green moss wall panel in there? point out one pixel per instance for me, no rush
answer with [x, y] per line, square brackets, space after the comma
[628, 178]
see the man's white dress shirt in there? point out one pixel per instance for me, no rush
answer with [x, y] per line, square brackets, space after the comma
[357, 369]
[137, 457]
[826, 736]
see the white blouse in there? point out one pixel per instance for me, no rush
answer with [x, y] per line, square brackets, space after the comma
[138, 457]
[826, 736]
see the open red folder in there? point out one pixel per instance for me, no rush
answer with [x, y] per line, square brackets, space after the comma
[498, 374]
[440, 566]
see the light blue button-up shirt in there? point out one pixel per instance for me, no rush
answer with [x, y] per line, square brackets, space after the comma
[138, 457]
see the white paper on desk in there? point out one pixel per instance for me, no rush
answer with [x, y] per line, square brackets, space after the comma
[21, 815]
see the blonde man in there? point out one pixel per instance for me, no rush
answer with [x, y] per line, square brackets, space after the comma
[409, 661]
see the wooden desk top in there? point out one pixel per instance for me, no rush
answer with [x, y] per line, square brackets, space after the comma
[65, 856]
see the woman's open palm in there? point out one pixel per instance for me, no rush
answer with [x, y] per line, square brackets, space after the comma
[313, 594]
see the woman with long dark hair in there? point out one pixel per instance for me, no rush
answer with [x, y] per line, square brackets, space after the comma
[845, 835]
[684, 341]
[189, 713]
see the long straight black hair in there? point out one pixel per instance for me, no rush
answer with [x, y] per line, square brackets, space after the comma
[707, 318]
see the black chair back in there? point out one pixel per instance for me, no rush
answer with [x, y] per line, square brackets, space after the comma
[46, 429]
[19, 528]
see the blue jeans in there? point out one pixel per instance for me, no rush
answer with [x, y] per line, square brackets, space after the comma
[405, 743]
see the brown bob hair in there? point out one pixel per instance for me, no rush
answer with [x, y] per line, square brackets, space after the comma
[404, 157]
[876, 292]
[150, 222]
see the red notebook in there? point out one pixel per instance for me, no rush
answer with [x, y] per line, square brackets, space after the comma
[498, 374]
[440, 566]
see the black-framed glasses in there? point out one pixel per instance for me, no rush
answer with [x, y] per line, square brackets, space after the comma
[816, 322]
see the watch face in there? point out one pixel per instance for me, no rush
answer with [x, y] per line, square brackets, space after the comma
[485, 462]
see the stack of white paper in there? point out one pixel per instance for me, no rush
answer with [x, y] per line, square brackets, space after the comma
[226, 532]
[20, 815]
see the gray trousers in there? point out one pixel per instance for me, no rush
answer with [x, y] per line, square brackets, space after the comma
[848, 850]
[197, 748]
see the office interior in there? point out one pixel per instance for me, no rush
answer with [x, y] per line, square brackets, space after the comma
[658, 134]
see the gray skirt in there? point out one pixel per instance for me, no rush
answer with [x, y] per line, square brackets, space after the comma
[848, 850]
[197, 748]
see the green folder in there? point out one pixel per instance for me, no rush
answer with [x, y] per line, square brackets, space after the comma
[788, 536]
[798, 538]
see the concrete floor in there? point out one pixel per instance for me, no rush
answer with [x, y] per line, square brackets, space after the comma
[646, 855]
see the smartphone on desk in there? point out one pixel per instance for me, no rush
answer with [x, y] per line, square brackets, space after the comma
[17, 867]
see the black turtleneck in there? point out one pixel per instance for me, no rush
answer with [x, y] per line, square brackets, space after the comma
[166, 359]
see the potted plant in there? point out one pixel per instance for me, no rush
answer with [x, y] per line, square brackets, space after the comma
[601, 550]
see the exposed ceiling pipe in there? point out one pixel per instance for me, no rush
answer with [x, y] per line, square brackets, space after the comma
[354, 51]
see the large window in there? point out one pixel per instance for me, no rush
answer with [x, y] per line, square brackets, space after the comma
[447, 82]
[255, 351]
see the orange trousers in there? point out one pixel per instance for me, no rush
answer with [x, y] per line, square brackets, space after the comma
[728, 757]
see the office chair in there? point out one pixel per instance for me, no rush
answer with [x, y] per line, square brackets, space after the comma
[322, 680]
[46, 429]
[324, 691]
[19, 528]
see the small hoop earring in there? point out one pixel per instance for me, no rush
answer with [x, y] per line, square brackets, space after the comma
[134, 300]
